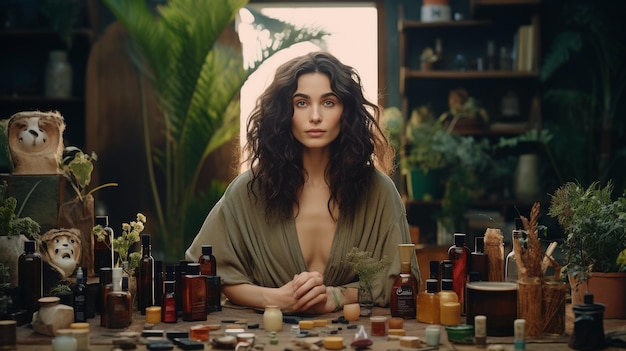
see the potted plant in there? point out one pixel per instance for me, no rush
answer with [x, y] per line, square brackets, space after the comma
[366, 269]
[78, 212]
[456, 164]
[595, 228]
[14, 231]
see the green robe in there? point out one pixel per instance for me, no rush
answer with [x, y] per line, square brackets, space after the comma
[249, 249]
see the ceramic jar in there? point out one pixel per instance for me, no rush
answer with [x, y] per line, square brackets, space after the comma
[272, 319]
[64, 341]
[58, 79]
[52, 316]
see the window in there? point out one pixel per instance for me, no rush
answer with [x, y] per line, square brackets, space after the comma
[353, 39]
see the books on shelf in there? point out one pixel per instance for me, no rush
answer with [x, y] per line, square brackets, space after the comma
[525, 48]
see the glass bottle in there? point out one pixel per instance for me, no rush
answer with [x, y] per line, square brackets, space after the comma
[459, 255]
[491, 55]
[478, 259]
[159, 285]
[179, 273]
[118, 303]
[447, 296]
[404, 290]
[194, 294]
[80, 297]
[168, 303]
[106, 286]
[214, 293]
[510, 264]
[428, 303]
[102, 254]
[145, 288]
[272, 319]
[30, 279]
[207, 261]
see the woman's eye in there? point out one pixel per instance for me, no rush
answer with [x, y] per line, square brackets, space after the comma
[329, 103]
[301, 103]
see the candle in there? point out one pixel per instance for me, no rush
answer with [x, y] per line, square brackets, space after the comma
[378, 325]
[351, 311]
[153, 314]
[450, 313]
[396, 323]
[432, 335]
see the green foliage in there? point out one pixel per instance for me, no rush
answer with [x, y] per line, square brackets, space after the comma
[197, 80]
[125, 243]
[62, 287]
[464, 161]
[366, 267]
[77, 167]
[595, 226]
[10, 222]
[62, 15]
[584, 80]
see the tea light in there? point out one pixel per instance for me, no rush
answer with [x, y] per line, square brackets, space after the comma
[351, 311]
[378, 325]
[396, 323]
[450, 313]
[153, 314]
[433, 333]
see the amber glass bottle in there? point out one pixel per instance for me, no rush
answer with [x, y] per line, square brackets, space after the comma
[404, 290]
[459, 255]
[106, 286]
[428, 303]
[194, 294]
[118, 304]
[30, 279]
[207, 261]
[478, 259]
[145, 288]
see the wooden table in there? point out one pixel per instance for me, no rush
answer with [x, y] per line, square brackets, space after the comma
[102, 338]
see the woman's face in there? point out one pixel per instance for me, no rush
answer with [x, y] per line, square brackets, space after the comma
[316, 112]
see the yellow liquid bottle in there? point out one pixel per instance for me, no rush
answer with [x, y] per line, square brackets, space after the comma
[428, 303]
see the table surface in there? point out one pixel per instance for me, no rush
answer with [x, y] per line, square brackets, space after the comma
[102, 338]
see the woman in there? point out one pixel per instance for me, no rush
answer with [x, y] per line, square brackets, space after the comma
[282, 230]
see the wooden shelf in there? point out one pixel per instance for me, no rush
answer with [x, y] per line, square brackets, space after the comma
[476, 3]
[412, 24]
[409, 74]
[41, 32]
[40, 99]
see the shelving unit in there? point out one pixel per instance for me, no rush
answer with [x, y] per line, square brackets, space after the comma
[22, 68]
[498, 21]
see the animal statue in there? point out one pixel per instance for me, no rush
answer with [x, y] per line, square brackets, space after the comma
[35, 141]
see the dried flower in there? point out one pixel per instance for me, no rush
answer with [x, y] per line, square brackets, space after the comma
[365, 266]
[124, 243]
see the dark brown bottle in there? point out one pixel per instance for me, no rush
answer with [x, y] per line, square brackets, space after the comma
[194, 294]
[118, 304]
[145, 288]
[207, 261]
[459, 255]
[102, 255]
[80, 296]
[478, 259]
[106, 286]
[168, 303]
[214, 293]
[405, 290]
[30, 279]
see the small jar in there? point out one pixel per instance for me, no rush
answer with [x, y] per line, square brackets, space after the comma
[58, 80]
[64, 340]
[272, 318]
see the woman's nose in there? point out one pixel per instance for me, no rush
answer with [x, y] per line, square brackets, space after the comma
[315, 116]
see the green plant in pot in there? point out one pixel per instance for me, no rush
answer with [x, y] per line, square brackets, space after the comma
[460, 163]
[595, 228]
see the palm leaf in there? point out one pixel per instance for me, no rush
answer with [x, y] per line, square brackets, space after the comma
[197, 81]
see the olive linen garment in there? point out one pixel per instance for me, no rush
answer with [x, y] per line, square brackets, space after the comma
[250, 249]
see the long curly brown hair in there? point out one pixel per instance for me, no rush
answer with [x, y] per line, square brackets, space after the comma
[276, 155]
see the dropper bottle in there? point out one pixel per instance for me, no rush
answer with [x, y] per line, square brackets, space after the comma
[404, 290]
